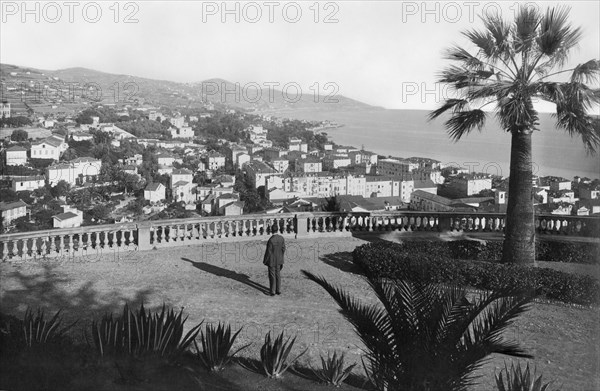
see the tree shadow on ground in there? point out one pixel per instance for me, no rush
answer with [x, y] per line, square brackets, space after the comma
[49, 289]
[341, 260]
[221, 272]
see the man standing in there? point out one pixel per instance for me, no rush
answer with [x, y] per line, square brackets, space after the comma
[274, 260]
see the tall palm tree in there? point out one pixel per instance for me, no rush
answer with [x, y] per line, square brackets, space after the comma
[514, 64]
[427, 337]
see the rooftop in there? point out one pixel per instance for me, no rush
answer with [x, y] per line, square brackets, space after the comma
[16, 148]
[154, 186]
[65, 216]
[11, 205]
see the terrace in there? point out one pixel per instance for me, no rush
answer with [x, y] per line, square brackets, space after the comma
[213, 268]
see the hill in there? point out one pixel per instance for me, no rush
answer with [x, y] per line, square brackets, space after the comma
[71, 88]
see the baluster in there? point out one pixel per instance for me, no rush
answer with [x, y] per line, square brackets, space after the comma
[22, 244]
[9, 246]
[61, 244]
[5, 250]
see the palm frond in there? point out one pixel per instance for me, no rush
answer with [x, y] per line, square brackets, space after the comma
[369, 321]
[500, 32]
[526, 23]
[577, 122]
[496, 90]
[463, 122]
[484, 42]
[456, 53]
[429, 334]
[454, 104]
[460, 78]
[587, 72]
[556, 37]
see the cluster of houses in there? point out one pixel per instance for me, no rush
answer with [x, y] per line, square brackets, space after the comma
[556, 195]
[217, 198]
[294, 178]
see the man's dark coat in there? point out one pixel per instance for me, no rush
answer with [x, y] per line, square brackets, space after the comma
[275, 250]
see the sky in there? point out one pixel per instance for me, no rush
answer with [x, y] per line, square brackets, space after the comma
[384, 53]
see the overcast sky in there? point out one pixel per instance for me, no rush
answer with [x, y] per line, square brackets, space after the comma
[382, 53]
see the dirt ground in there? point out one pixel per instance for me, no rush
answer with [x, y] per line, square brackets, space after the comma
[227, 282]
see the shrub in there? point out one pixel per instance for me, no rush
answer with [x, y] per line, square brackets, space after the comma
[216, 345]
[36, 353]
[425, 337]
[434, 264]
[32, 331]
[142, 333]
[274, 354]
[332, 370]
[518, 379]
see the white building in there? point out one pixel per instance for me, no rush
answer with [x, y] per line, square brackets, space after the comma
[165, 160]
[182, 132]
[4, 110]
[214, 160]
[184, 191]
[28, 183]
[12, 210]
[48, 148]
[16, 156]
[82, 136]
[75, 172]
[70, 218]
[258, 134]
[181, 175]
[241, 159]
[395, 167]
[155, 192]
[259, 172]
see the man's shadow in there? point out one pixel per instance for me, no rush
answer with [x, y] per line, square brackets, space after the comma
[219, 271]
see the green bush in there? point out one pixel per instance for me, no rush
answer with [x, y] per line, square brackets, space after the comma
[435, 263]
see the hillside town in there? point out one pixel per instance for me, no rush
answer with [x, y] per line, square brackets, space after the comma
[120, 164]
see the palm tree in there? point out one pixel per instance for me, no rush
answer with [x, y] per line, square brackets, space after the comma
[427, 337]
[513, 65]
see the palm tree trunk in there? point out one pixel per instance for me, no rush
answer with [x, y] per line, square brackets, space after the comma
[519, 235]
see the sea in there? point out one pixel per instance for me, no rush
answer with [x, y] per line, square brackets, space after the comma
[408, 133]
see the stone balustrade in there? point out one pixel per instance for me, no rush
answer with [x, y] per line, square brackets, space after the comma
[118, 240]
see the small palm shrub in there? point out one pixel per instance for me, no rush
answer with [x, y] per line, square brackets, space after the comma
[216, 345]
[428, 337]
[142, 333]
[274, 355]
[518, 379]
[332, 370]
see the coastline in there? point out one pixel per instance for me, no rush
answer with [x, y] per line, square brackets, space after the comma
[407, 133]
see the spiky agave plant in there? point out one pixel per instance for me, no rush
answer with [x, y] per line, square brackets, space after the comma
[143, 333]
[38, 331]
[332, 370]
[216, 346]
[428, 337]
[274, 355]
[518, 379]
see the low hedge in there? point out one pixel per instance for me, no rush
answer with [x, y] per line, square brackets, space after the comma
[447, 262]
[547, 251]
